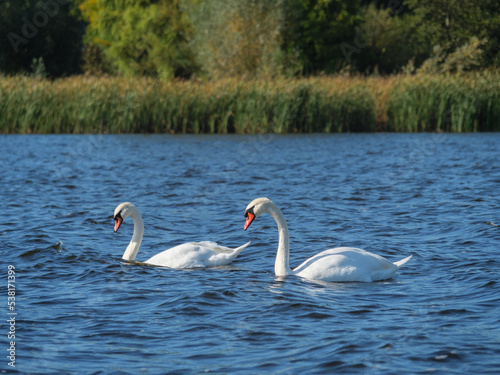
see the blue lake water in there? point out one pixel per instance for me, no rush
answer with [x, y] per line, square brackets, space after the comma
[82, 310]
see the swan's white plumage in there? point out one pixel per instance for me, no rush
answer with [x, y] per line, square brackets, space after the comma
[336, 265]
[346, 264]
[196, 254]
[187, 255]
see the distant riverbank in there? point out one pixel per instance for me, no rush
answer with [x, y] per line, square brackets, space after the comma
[83, 104]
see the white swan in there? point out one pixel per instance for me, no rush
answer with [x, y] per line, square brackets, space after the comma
[188, 255]
[339, 264]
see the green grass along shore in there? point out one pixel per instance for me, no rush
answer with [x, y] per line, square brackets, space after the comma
[419, 103]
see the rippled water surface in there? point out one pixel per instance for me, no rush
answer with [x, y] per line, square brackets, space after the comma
[82, 310]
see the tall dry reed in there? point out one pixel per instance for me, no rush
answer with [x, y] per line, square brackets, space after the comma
[84, 104]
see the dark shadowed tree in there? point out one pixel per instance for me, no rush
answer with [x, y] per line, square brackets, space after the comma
[450, 24]
[49, 31]
[402, 35]
[316, 29]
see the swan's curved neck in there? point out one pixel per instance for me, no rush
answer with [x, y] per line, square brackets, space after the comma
[135, 242]
[282, 265]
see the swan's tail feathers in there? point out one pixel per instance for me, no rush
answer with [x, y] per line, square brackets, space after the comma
[238, 250]
[402, 262]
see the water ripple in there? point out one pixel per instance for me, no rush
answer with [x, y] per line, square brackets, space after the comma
[83, 310]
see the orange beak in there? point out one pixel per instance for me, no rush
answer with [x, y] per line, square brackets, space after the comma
[118, 222]
[250, 217]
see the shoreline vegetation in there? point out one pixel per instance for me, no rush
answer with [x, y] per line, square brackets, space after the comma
[467, 102]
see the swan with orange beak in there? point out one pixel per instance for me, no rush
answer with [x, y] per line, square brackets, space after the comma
[336, 265]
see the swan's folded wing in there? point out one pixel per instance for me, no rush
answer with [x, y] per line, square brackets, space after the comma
[219, 248]
[186, 255]
[213, 246]
[196, 254]
[346, 264]
[221, 258]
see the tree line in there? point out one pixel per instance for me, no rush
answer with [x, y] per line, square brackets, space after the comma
[206, 39]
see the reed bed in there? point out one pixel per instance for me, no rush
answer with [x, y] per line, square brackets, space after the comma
[82, 104]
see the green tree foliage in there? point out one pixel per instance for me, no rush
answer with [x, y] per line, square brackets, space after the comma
[465, 58]
[450, 24]
[387, 40]
[48, 32]
[406, 34]
[146, 37]
[253, 38]
[317, 28]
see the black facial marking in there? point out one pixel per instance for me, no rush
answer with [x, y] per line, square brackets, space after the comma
[250, 210]
[118, 215]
